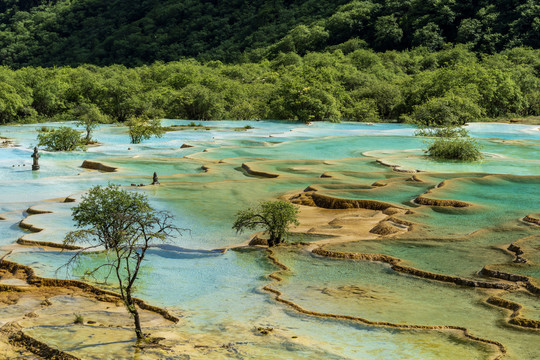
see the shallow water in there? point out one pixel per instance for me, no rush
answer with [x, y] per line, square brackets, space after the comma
[220, 294]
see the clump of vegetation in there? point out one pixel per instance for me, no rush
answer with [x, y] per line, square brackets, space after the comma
[448, 111]
[443, 118]
[78, 319]
[454, 148]
[275, 217]
[140, 129]
[126, 226]
[90, 116]
[45, 129]
[243, 128]
[61, 139]
[447, 132]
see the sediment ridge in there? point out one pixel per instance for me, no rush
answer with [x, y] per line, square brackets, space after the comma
[278, 296]
[33, 211]
[525, 280]
[253, 172]
[423, 200]
[104, 295]
[395, 265]
[25, 225]
[532, 219]
[515, 318]
[96, 165]
[312, 197]
[25, 242]
[397, 168]
[18, 337]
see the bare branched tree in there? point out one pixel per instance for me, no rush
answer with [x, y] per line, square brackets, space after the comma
[124, 226]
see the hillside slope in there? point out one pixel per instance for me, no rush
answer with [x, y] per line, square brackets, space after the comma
[103, 32]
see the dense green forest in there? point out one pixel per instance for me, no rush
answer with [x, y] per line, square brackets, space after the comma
[407, 60]
[419, 85]
[134, 33]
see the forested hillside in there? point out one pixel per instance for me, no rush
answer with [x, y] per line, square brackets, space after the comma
[104, 32]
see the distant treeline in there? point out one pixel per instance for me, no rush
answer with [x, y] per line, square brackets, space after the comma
[360, 86]
[133, 33]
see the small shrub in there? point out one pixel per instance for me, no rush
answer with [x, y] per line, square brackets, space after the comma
[248, 127]
[462, 149]
[78, 319]
[62, 139]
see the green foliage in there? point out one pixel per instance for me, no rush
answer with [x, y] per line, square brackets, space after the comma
[454, 148]
[388, 33]
[196, 101]
[446, 132]
[125, 225]
[140, 129]
[90, 116]
[102, 32]
[102, 209]
[61, 139]
[78, 319]
[275, 217]
[15, 98]
[429, 36]
[448, 111]
[452, 85]
[363, 110]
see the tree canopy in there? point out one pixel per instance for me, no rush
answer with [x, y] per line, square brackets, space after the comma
[126, 226]
[61, 139]
[103, 32]
[275, 217]
[454, 84]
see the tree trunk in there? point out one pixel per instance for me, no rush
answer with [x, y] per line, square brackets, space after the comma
[137, 321]
[274, 240]
[130, 304]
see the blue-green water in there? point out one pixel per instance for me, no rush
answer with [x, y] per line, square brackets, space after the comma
[205, 185]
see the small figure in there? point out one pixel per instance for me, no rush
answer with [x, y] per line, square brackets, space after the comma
[35, 155]
[155, 180]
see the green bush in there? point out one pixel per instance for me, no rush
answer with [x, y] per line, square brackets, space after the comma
[62, 139]
[458, 148]
[141, 129]
[78, 319]
[448, 111]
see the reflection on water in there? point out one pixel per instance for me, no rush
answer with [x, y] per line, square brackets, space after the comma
[219, 293]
